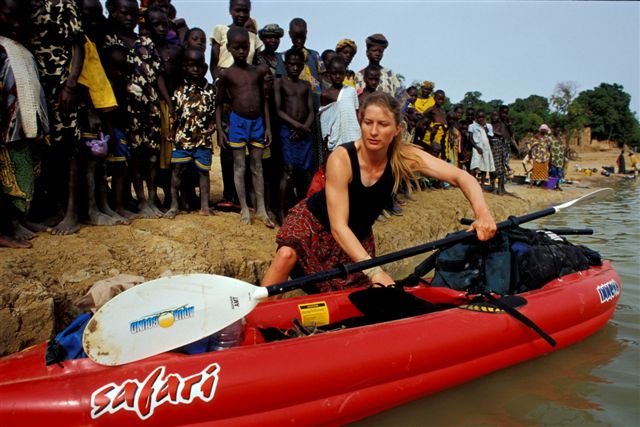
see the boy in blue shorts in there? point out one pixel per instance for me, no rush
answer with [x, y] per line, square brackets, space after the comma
[195, 104]
[244, 84]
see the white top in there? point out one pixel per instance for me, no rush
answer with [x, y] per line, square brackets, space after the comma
[339, 121]
[225, 60]
[483, 162]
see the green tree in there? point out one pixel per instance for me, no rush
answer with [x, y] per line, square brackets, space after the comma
[528, 114]
[524, 123]
[535, 104]
[606, 110]
[473, 100]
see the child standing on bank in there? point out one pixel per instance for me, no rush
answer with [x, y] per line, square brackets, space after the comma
[295, 109]
[157, 24]
[312, 72]
[195, 104]
[117, 69]
[371, 82]
[244, 83]
[240, 11]
[338, 119]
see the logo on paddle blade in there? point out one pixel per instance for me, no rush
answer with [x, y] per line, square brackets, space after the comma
[608, 291]
[163, 319]
[142, 397]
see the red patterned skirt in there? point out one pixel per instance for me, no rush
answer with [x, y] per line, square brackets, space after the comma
[317, 250]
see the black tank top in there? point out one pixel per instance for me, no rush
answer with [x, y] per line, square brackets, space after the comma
[365, 203]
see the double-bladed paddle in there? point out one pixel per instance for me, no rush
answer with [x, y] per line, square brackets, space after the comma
[169, 312]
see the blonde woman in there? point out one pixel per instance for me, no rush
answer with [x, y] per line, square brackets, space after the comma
[334, 225]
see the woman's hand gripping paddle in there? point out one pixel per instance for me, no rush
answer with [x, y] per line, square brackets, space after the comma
[169, 312]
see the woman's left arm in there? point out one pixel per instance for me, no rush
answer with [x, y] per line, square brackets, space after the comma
[431, 166]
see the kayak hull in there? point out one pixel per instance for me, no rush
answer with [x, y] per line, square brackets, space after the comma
[325, 379]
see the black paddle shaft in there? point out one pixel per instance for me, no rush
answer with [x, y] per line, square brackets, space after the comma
[559, 231]
[342, 271]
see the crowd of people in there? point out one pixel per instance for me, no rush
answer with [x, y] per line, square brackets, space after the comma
[93, 107]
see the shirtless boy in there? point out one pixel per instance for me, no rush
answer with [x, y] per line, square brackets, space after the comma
[244, 83]
[295, 108]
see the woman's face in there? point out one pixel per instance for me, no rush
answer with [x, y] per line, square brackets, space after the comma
[378, 127]
[347, 53]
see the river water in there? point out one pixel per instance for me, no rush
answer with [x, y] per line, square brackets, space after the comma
[594, 382]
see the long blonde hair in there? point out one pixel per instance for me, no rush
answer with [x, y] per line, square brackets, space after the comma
[400, 153]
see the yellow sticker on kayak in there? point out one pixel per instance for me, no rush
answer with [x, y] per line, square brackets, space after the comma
[314, 313]
[482, 307]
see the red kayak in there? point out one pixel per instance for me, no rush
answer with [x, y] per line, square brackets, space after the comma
[327, 378]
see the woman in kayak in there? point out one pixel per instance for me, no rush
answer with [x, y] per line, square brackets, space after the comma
[334, 225]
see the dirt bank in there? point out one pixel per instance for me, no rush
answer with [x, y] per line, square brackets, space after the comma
[38, 284]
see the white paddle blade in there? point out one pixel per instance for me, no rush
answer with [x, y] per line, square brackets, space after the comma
[595, 196]
[164, 314]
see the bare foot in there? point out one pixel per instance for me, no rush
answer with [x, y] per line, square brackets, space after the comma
[99, 218]
[245, 216]
[206, 212]
[266, 220]
[127, 215]
[66, 226]
[148, 211]
[156, 210]
[10, 242]
[21, 232]
[171, 213]
[120, 220]
[34, 226]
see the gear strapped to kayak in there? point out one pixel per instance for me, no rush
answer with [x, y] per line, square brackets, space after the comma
[514, 261]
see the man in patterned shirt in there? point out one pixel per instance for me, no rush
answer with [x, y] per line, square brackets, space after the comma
[195, 104]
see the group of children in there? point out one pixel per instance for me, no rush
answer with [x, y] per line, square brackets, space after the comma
[461, 137]
[92, 107]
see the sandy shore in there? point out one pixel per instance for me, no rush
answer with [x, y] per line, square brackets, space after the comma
[40, 283]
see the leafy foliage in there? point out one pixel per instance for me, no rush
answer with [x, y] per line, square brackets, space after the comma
[607, 112]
